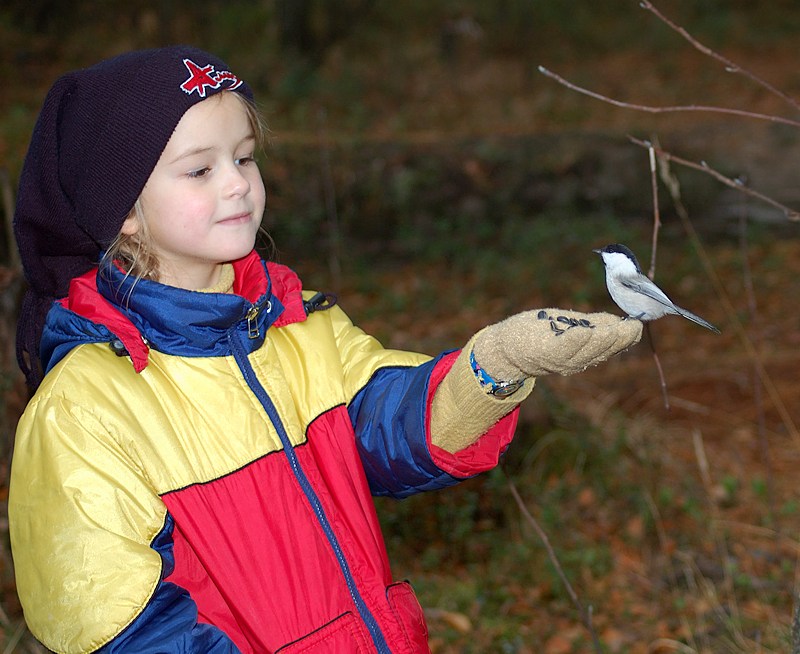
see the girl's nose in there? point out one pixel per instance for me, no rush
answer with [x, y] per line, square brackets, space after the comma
[236, 183]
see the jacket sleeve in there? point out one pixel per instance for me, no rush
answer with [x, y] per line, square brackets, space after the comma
[391, 396]
[92, 542]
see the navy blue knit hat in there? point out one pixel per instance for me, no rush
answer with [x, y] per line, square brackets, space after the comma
[99, 135]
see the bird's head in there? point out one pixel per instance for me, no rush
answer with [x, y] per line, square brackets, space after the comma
[619, 259]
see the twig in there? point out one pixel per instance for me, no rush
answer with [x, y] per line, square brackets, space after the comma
[651, 273]
[758, 389]
[662, 379]
[791, 214]
[14, 640]
[722, 544]
[672, 184]
[729, 65]
[586, 614]
[675, 645]
[663, 540]
[691, 583]
[8, 212]
[702, 166]
[697, 108]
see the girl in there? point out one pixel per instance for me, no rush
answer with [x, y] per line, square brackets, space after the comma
[194, 470]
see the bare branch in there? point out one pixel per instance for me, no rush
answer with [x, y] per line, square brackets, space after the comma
[758, 395]
[791, 214]
[662, 380]
[668, 109]
[672, 184]
[586, 614]
[651, 273]
[729, 65]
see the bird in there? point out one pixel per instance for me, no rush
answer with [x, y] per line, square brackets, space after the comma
[634, 292]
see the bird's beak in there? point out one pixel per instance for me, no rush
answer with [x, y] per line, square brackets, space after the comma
[597, 251]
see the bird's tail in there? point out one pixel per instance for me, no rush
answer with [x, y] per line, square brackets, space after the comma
[695, 318]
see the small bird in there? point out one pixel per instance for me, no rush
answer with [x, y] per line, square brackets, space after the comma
[634, 292]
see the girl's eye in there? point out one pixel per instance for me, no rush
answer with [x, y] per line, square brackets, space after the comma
[243, 161]
[200, 172]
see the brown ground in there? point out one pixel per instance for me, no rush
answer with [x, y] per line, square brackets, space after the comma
[714, 567]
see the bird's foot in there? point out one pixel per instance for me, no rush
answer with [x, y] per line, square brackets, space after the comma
[636, 317]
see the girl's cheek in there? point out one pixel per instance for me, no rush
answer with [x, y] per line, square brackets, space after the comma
[194, 209]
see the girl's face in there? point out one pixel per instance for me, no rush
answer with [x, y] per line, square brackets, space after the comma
[204, 200]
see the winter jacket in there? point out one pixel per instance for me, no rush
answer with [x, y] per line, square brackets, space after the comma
[195, 472]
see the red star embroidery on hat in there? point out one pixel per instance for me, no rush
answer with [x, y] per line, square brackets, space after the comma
[199, 78]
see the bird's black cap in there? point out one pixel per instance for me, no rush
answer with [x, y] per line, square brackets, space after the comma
[620, 249]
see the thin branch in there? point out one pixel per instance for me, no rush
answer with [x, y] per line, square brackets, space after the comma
[672, 184]
[697, 108]
[721, 542]
[791, 214]
[674, 645]
[651, 273]
[15, 638]
[662, 379]
[758, 388]
[663, 539]
[586, 614]
[8, 212]
[730, 66]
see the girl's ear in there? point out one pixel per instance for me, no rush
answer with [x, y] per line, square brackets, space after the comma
[131, 225]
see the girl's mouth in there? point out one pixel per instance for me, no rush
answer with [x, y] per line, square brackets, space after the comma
[236, 219]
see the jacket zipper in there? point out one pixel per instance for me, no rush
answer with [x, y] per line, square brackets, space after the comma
[240, 355]
[253, 331]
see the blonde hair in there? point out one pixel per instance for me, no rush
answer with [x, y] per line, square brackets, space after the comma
[134, 252]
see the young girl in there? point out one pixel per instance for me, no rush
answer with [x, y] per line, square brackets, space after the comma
[194, 471]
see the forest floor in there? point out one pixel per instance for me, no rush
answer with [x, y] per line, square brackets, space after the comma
[679, 528]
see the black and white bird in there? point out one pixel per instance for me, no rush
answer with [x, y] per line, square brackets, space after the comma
[634, 292]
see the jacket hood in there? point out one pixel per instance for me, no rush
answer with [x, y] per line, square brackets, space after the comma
[106, 305]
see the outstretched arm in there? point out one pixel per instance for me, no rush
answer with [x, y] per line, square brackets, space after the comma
[520, 349]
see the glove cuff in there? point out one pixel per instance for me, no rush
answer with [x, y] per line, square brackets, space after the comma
[462, 410]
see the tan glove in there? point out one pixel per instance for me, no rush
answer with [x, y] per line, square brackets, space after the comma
[528, 344]
[537, 343]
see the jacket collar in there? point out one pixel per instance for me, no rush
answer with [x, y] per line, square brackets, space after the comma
[105, 305]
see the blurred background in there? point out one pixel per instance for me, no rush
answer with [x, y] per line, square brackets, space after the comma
[423, 168]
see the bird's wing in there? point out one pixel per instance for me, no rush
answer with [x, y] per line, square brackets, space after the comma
[652, 291]
[649, 289]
